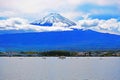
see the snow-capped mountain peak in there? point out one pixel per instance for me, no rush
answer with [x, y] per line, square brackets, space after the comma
[53, 19]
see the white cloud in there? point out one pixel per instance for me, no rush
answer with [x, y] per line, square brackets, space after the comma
[72, 14]
[12, 23]
[59, 24]
[98, 2]
[111, 26]
[7, 14]
[29, 6]
[39, 7]
[19, 24]
[36, 8]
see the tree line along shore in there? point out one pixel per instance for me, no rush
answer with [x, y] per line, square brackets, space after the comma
[57, 53]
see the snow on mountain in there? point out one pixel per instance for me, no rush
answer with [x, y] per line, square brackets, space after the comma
[54, 19]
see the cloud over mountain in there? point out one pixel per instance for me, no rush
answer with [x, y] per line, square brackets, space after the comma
[106, 26]
[111, 26]
[20, 24]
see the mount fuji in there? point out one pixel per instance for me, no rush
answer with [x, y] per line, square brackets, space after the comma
[75, 40]
[53, 19]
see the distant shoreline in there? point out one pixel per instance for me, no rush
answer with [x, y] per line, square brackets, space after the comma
[59, 53]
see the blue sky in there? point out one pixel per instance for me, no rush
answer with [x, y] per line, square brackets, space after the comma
[73, 9]
[100, 11]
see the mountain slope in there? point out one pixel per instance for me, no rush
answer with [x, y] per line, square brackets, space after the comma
[76, 40]
[52, 19]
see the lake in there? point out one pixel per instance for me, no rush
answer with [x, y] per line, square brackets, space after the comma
[53, 68]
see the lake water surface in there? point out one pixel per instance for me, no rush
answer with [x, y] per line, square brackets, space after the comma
[53, 68]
